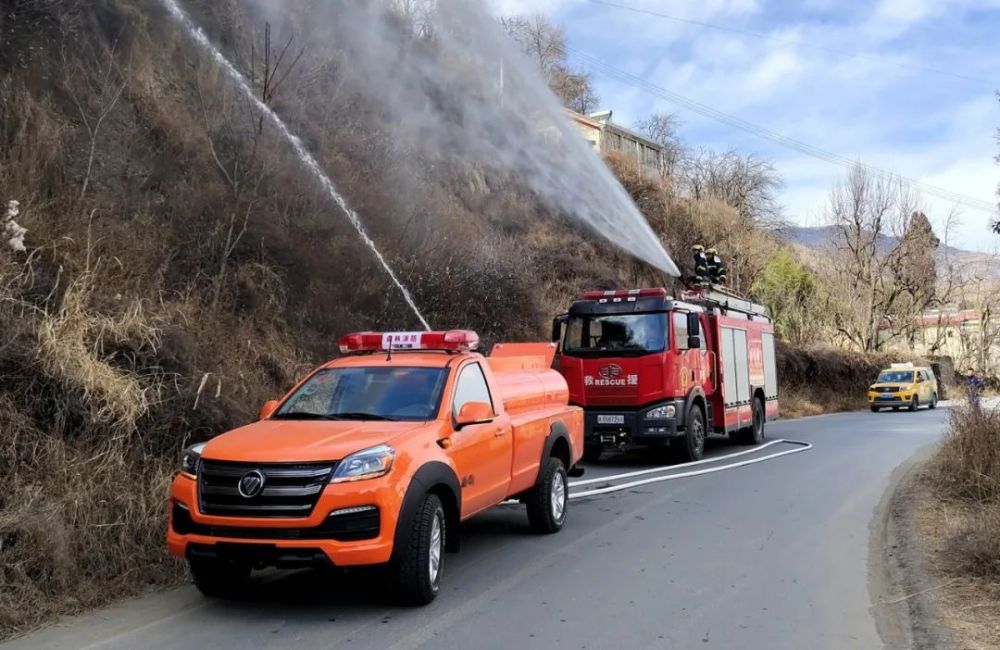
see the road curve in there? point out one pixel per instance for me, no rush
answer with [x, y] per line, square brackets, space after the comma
[768, 555]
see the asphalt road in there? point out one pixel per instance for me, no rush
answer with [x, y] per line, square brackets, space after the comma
[775, 554]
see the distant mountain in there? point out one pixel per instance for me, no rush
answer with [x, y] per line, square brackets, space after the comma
[823, 238]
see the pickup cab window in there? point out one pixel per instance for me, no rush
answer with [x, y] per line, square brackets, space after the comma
[471, 387]
[360, 393]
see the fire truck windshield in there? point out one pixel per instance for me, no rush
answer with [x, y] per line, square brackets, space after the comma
[618, 334]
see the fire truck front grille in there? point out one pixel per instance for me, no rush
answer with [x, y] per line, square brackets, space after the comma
[261, 489]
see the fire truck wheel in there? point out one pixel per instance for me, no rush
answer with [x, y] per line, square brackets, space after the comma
[755, 435]
[217, 577]
[592, 452]
[417, 572]
[547, 501]
[692, 446]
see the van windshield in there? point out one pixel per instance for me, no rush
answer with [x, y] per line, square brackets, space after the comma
[620, 334]
[362, 393]
[895, 377]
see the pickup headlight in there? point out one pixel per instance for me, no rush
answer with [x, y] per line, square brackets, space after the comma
[190, 459]
[661, 412]
[365, 464]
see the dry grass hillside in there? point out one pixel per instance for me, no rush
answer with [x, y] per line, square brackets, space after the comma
[180, 269]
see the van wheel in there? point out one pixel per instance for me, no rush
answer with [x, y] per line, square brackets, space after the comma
[914, 404]
[216, 578]
[547, 501]
[592, 452]
[875, 409]
[417, 572]
[933, 404]
[692, 445]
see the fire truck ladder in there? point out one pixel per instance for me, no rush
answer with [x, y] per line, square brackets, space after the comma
[721, 298]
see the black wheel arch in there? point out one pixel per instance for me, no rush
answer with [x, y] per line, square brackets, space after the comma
[557, 444]
[696, 399]
[438, 478]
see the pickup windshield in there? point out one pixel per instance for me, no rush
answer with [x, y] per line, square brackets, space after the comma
[618, 334]
[895, 377]
[377, 393]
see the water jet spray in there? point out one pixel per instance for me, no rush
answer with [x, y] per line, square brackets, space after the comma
[305, 157]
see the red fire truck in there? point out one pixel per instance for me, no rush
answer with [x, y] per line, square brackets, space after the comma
[652, 370]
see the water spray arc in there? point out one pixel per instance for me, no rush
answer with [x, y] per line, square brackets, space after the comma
[307, 158]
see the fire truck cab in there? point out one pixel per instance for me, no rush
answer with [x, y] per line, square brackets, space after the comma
[652, 370]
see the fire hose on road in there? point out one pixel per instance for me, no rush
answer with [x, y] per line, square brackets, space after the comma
[608, 489]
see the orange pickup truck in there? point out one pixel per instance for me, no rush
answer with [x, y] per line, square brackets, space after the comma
[375, 458]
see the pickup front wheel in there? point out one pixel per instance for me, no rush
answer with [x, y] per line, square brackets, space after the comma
[417, 572]
[547, 501]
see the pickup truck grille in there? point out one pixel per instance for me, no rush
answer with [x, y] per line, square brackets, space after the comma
[289, 490]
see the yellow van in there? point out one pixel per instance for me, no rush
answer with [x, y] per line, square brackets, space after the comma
[903, 385]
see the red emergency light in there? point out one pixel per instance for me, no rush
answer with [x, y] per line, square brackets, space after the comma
[449, 341]
[624, 295]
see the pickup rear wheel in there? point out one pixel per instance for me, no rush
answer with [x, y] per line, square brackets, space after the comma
[547, 501]
[417, 572]
[216, 578]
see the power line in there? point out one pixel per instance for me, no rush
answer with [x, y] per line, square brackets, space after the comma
[795, 43]
[773, 136]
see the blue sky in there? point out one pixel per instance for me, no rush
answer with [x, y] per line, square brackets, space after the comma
[888, 112]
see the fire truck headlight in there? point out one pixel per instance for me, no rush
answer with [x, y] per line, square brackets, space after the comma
[661, 412]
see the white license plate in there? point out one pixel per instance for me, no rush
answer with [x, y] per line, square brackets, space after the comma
[611, 419]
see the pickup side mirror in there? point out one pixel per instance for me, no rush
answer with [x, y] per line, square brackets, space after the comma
[694, 342]
[474, 413]
[269, 407]
[694, 326]
[557, 324]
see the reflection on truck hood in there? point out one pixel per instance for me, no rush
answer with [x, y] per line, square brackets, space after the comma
[277, 441]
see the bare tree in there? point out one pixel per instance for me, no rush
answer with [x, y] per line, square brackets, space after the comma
[236, 150]
[545, 43]
[980, 337]
[103, 83]
[869, 280]
[744, 181]
[662, 129]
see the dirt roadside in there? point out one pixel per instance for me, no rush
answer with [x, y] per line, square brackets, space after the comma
[917, 602]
